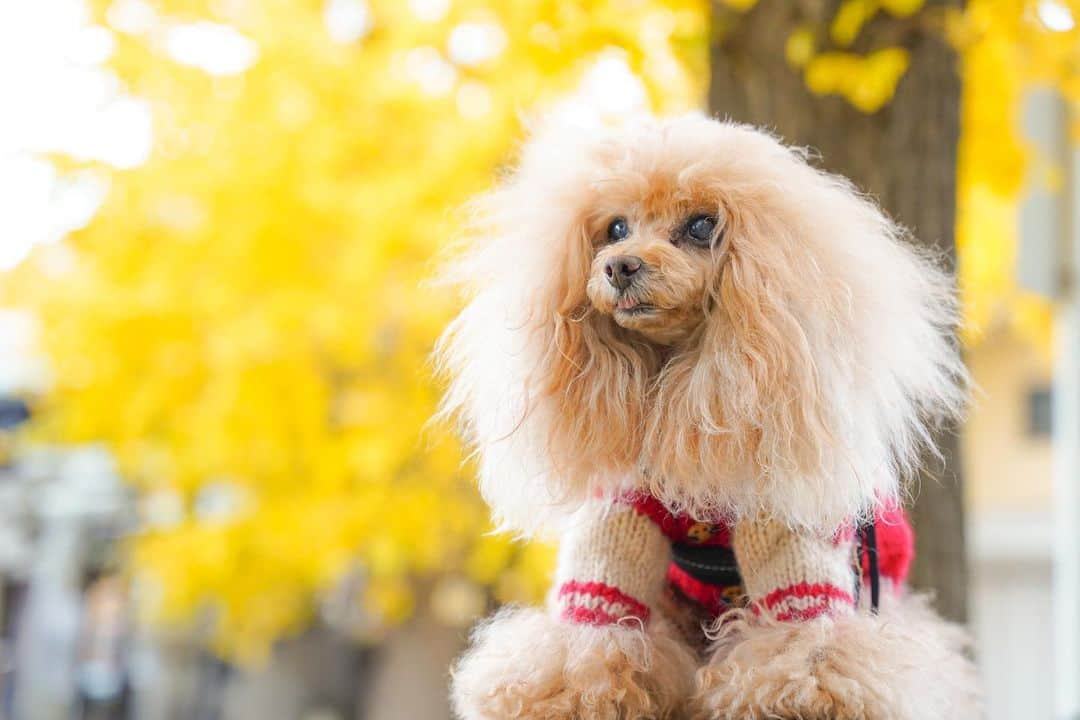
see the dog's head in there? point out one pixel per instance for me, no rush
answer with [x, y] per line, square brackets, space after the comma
[656, 252]
[689, 307]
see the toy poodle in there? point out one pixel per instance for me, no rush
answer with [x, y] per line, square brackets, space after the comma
[706, 366]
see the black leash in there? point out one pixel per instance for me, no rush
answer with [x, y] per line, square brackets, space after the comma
[868, 540]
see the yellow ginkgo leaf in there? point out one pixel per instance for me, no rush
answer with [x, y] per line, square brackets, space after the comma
[800, 46]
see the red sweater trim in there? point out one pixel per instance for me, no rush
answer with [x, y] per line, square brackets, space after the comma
[710, 597]
[805, 590]
[613, 604]
[804, 601]
[586, 616]
[804, 614]
[681, 527]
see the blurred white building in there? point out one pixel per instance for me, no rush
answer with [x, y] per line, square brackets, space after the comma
[1022, 452]
[1007, 464]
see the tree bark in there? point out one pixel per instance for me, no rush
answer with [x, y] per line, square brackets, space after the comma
[904, 155]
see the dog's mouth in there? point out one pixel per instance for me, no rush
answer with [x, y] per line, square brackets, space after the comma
[631, 306]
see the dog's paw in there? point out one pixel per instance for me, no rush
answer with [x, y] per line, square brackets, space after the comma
[528, 665]
[905, 664]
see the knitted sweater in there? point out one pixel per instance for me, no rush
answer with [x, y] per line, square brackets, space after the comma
[623, 554]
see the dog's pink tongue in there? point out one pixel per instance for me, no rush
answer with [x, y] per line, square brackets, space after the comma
[626, 303]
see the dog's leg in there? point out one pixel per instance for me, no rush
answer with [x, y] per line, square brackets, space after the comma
[600, 651]
[902, 664]
[803, 651]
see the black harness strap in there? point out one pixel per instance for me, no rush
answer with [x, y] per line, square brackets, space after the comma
[711, 564]
[868, 540]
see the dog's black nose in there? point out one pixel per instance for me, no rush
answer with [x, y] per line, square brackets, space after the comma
[620, 270]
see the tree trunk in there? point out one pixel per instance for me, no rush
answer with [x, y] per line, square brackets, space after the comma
[904, 155]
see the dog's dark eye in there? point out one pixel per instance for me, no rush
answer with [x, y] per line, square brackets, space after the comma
[700, 229]
[618, 230]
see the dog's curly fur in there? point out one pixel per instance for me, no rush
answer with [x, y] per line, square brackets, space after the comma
[791, 368]
[902, 663]
[527, 664]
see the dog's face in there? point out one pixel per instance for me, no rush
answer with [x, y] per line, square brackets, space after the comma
[653, 263]
[659, 217]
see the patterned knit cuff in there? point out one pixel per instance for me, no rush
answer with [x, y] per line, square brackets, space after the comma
[805, 601]
[612, 566]
[594, 603]
[794, 575]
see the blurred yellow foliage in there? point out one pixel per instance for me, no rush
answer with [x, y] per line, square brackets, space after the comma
[850, 18]
[866, 81]
[1006, 49]
[242, 321]
[740, 5]
[902, 8]
[853, 15]
[800, 46]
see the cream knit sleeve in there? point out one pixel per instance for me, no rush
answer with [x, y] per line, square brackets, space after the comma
[612, 565]
[792, 574]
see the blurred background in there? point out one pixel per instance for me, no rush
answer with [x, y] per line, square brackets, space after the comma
[218, 496]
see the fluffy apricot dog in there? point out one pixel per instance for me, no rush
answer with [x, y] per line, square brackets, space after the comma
[706, 366]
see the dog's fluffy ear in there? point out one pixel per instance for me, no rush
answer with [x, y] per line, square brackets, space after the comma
[548, 394]
[825, 357]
